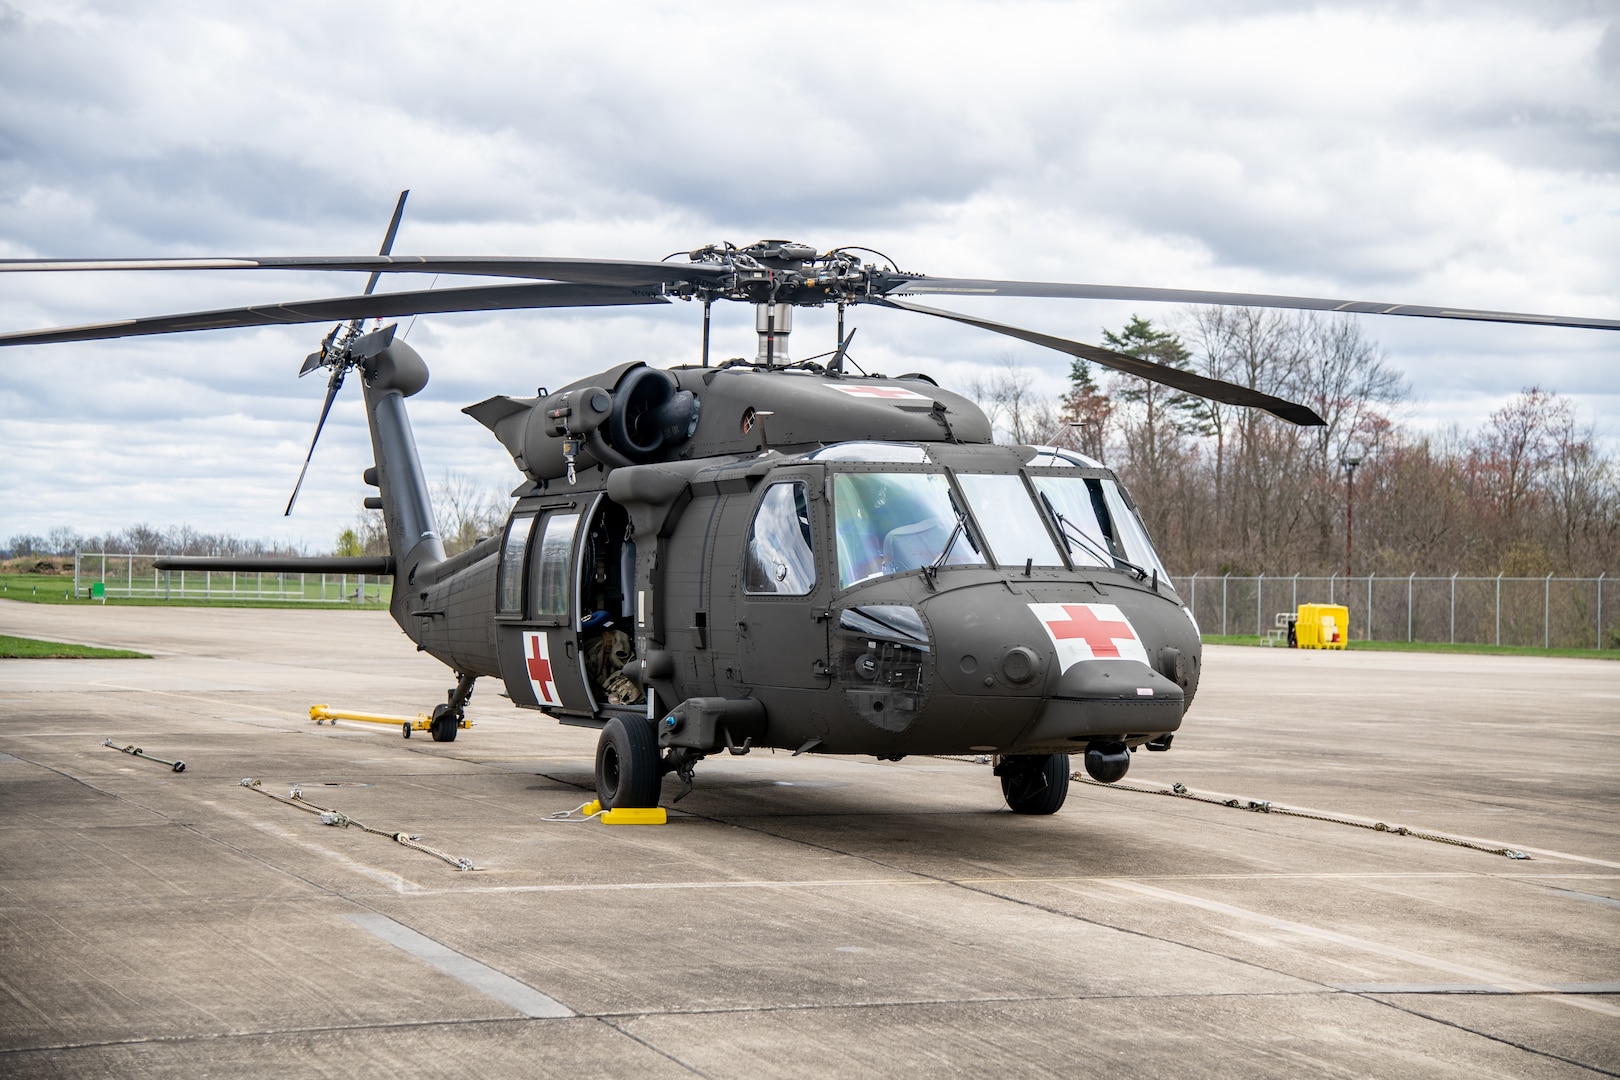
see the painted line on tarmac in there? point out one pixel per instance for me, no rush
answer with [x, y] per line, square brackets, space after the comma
[1472, 988]
[1506, 983]
[1606, 901]
[823, 883]
[481, 977]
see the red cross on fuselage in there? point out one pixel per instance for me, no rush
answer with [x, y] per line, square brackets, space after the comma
[878, 391]
[1097, 633]
[539, 667]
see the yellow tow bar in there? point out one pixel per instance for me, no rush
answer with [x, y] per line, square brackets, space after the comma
[323, 714]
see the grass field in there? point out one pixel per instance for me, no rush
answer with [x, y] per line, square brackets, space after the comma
[58, 589]
[20, 648]
[1434, 647]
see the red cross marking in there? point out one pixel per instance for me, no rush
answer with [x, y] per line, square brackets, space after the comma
[877, 391]
[539, 668]
[1097, 633]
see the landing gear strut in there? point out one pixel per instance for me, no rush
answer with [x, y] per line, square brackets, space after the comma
[447, 717]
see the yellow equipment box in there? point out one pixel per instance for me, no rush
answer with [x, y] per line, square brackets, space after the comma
[1322, 626]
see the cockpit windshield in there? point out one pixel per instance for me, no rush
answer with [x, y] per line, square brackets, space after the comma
[891, 522]
[1010, 521]
[1100, 528]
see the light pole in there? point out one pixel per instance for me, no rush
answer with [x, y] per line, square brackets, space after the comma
[1350, 464]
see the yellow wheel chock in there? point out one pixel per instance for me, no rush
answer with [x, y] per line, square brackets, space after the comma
[624, 815]
[323, 714]
[635, 815]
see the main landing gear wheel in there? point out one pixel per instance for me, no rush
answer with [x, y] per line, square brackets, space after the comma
[1035, 783]
[444, 724]
[628, 769]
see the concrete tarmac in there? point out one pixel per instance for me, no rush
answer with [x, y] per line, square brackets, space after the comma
[796, 917]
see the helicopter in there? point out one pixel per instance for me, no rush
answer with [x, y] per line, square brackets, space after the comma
[765, 553]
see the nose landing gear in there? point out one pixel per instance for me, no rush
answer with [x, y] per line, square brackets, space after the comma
[1034, 783]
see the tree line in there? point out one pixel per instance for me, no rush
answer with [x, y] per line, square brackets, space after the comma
[1224, 489]
[465, 512]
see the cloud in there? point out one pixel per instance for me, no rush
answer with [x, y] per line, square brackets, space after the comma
[1437, 153]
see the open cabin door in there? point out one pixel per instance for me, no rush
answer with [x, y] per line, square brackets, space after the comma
[537, 619]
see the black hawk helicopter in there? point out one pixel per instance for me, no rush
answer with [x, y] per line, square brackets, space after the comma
[763, 552]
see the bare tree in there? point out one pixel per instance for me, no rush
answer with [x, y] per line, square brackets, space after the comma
[465, 510]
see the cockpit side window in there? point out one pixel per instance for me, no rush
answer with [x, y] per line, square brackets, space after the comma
[780, 557]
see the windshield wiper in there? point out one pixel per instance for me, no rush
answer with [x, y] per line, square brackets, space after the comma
[960, 530]
[1072, 532]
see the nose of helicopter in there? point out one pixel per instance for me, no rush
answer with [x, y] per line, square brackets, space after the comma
[1081, 664]
[1099, 698]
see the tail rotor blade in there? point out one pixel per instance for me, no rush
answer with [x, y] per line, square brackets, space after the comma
[332, 387]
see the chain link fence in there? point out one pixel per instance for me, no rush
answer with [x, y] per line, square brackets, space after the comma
[1544, 612]
[135, 577]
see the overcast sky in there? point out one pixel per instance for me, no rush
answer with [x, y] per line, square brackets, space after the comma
[1463, 154]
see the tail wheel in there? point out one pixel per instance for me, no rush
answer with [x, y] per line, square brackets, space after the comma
[628, 769]
[1035, 783]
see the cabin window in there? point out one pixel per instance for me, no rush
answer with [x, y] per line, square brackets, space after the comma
[781, 554]
[891, 522]
[511, 578]
[552, 567]
[1009, 519]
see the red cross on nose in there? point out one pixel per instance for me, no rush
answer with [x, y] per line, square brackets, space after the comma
[1083, 623]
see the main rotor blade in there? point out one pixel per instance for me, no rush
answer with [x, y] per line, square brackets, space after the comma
[333, 385]
[578, 271]
[378, 305]
[387, 246]
[900, 285]
[1191, 382]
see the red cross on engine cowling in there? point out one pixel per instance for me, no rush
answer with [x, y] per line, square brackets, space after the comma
[1098, 633]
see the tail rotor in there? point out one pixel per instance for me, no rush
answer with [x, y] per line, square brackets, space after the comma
[337, 352]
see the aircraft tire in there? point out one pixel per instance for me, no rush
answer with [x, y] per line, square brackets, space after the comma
[443, 725]
[1037, 784]
[628, 769]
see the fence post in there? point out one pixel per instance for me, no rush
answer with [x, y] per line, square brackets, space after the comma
[1296, 594]
[1454, 609]
[1224, 580]
[77, 553]
[1409, 579]
[1499, 608]
[1194, 608]
[1546, 615]
[1369, 603]
[104, 565]
[1600, 609]
[1259, 620]
[1333, 577]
